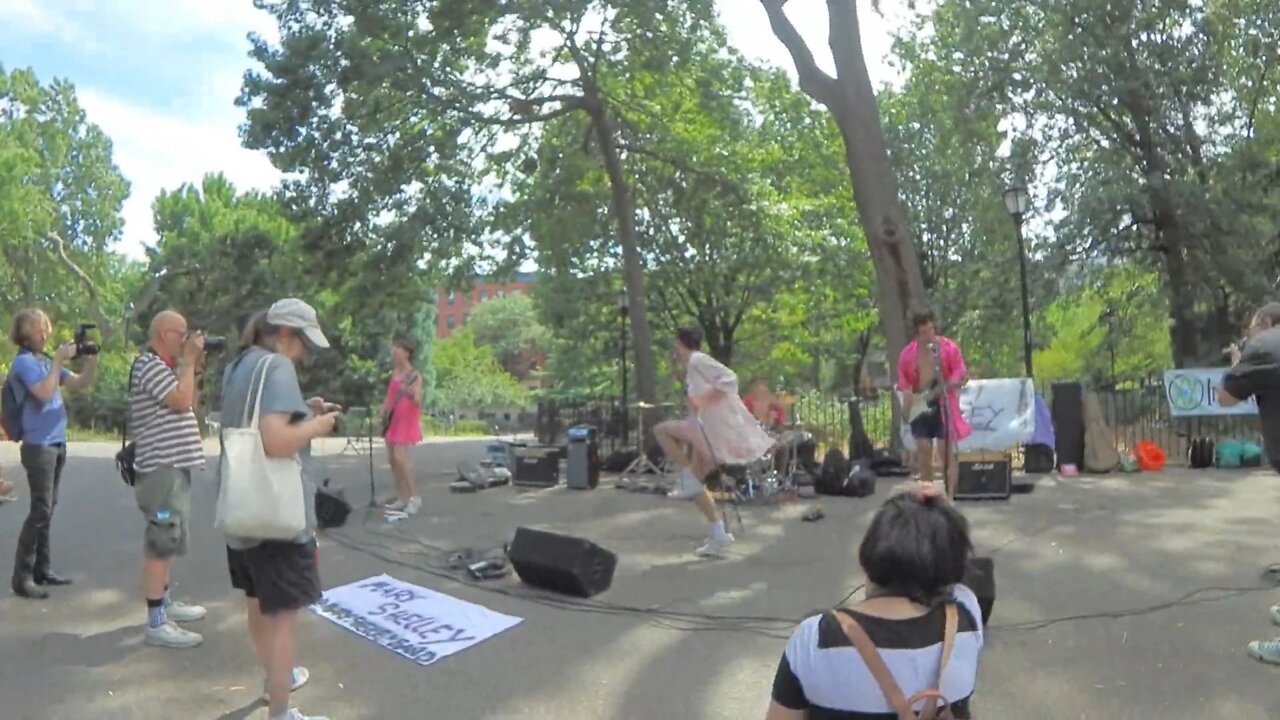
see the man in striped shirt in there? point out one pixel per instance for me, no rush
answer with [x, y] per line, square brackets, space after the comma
[162, 395]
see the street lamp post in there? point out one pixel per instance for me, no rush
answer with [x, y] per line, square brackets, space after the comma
[623, 314]
[1016, 202]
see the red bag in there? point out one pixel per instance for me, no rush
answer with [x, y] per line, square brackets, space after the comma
[1150, 457]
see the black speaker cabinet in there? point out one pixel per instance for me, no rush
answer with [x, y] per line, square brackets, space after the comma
[980, 577]
[537, 467]
[561, 563]
[1068, 423]
[985, 476]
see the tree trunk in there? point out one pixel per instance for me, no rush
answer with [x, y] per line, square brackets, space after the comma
[623, 204]
[852, 102]
[1184, 335]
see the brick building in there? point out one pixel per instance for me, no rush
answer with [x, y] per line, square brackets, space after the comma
[452, 308]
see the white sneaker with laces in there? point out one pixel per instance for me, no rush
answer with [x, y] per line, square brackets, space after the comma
[182, 612]
[716, 547]
[686, 486]
[413, 506]
[170, 635]
[300, 677]
[396, 505]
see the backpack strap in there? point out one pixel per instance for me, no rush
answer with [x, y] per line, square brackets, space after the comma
[901, 704]
[871, 657]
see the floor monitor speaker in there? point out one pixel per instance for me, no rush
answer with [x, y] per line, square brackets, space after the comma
[561, 563]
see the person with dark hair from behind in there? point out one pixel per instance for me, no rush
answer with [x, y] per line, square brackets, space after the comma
[719, 430]
[933, 396]
[914, 556]
[402, 415]
[1255, 373]
[279, 578]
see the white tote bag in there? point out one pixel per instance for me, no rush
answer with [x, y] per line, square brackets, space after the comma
[261, 497]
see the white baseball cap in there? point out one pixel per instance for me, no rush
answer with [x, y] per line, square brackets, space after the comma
[296, 314]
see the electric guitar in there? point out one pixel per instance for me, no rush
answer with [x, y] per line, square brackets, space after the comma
[920, 404]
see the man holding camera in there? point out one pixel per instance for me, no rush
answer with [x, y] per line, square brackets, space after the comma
[162, 395]
[1255, 372]
[36, 381]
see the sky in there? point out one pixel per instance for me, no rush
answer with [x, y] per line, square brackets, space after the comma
[160, 77]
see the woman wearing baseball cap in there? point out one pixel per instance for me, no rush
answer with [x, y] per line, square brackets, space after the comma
[279, 577]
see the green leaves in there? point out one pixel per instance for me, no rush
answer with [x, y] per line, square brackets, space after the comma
[469, 376]
[56, 177]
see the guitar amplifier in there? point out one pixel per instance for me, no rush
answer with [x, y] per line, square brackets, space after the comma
[985, 476]
[537, 467]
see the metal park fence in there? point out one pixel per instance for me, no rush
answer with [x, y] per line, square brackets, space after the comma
[1132, 411]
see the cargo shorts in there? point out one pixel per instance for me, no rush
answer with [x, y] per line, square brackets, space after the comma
[164, 497]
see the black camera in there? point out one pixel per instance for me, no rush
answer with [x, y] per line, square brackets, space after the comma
[212, 343]
[85, 346]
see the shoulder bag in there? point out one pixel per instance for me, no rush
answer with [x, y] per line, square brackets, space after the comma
[260, 497]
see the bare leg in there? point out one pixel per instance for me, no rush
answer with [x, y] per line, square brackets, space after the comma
[952, 469]
[924, 459]
[155, 577]
[665, 434]
[406, 472]
[257, 631]
[279, 639]
[396, 454]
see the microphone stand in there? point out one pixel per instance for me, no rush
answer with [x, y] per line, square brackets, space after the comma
[944, 410]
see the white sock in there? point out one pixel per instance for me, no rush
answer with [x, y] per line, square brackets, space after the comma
[717, 530]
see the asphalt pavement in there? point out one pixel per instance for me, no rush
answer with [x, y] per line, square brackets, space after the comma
[1124, 596]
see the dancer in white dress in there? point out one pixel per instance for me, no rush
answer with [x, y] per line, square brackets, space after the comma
[719, 430]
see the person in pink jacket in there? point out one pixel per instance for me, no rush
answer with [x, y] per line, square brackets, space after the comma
[931, 371]
[719, 431]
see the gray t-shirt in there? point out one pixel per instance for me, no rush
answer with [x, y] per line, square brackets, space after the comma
[280, 395]
[1258, 375]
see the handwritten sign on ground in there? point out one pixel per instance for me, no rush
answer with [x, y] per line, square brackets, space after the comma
[1001, 412]
[413, 622]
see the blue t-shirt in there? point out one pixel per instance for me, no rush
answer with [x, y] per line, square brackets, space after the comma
[43, 423]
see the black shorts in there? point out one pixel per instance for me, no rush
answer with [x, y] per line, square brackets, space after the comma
[929, 425]
[282, 575]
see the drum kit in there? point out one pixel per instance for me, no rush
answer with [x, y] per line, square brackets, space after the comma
[771, 478]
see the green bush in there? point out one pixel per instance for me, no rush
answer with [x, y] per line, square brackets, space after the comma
[458, 428]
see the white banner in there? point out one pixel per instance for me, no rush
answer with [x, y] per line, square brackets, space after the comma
[413, 622]
[1193, 392]
[1001, 412]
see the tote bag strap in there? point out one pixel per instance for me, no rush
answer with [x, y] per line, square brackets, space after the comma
[260, 371]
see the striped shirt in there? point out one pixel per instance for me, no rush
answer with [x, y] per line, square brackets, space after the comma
[823, 674]
[164, 437]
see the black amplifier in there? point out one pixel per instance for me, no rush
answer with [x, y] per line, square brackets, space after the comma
[985, 476]
[537, 467]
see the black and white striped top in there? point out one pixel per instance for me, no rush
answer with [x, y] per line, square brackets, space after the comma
[823, 674]
[165, 438]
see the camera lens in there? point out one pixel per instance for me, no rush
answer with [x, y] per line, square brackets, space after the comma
[215, 344]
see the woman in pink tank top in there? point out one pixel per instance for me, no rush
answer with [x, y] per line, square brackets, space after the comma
[402, 416]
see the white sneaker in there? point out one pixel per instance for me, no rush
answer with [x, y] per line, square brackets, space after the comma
[686, 487]
[413, 506]
[716, 547]
[182, 612]
[396, 505]
[300, 677]
[296, 714]
[170, 635]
